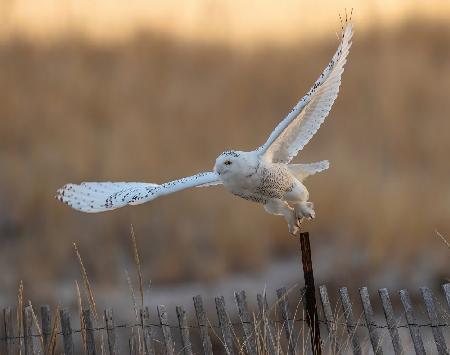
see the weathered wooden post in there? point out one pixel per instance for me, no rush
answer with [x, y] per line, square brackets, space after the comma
[46, 317]
[111, 332]
[89, 328]
[312, 317]
[27, 330]
[66, 331]
[288, 322]
[184, 330]
[8, 317]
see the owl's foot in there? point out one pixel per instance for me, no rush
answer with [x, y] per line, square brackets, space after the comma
[294, 228]
[305, 210]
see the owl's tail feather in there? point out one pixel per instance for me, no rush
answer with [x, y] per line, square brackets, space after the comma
[302, 171]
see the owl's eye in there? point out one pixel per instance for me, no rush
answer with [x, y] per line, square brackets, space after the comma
[227, 162]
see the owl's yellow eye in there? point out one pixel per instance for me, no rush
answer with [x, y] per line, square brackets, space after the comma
[227, 162]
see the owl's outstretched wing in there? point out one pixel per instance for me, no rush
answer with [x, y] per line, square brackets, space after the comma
[295, 131]
[104, 196]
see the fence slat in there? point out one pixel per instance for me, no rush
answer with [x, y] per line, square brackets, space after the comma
[203, 325]
[446, 288]
[351, 326]
[66, 331]
[390, 320]
[184, 330]
[164, 321]
[132, 345]
[370, 321]
[329, 317]
[147, 331]
[428, 298]
[46, 324]
[111, 332]
[247, 322]
[90, 337]
[27, 330]
[412, 323]
[269, 329]
[288, 323]
[8, 318]
[225, 326]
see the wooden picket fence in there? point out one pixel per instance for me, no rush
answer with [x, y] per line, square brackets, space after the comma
[278, 329]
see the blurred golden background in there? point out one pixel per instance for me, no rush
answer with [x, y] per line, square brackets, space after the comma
[155, 90]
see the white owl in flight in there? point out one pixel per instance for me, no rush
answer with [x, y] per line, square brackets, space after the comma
[264, 175]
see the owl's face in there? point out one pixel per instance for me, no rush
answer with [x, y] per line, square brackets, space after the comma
[234, 163]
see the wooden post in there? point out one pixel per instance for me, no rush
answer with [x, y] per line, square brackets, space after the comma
[224, 324]
[66, 328]
[147, 332]
[27, 330]
[288, 323]
[329, 317]
[111, 332]
[164, 321]
[390, 320]
[312, 317]
[184, 330]
[132, 345]
[412, 323]
[203, 325]
[351, 326]
[370, 321]
[247, 322]
[446, 289]
[8, 318]
[90, 337]
[433, 316]
[46, 323]
[269, 329]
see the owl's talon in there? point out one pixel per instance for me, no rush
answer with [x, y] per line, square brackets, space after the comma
[305, 210]
[293, 229]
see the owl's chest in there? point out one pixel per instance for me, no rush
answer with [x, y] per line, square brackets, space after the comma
[264, 183]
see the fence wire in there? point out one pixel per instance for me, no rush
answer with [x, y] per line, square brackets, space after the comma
[282, 322]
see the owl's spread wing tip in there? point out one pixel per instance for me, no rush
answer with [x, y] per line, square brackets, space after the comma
[94, 197]
[299, 126]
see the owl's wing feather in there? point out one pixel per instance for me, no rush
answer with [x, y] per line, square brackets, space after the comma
[299, 126]
[94, 197]
[302, 171]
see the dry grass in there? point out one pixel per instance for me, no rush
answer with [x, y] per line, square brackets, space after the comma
[269, 328]
[80, 312]
[36, 325]
[87, 285]
[444, 240]
[138, 265]
[20, 313]
[155, 108]
[51, 347]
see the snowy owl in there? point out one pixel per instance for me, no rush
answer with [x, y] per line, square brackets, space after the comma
[264, 175]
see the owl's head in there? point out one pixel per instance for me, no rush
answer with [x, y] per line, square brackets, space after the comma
[233, 162]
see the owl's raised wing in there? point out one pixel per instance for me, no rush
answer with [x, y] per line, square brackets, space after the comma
[295, 131]
[94, 197]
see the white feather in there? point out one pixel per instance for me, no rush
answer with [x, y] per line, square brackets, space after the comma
[104, 196]
[302, 171]
[299, 126]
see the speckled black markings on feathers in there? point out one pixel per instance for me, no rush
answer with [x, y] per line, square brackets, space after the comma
[150, 191]
[275, 182]
[230, 153]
